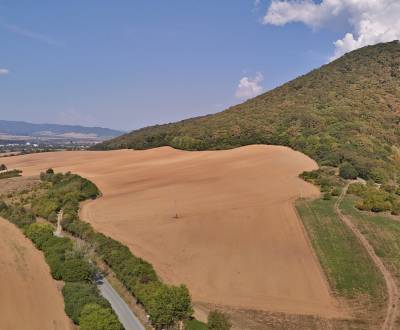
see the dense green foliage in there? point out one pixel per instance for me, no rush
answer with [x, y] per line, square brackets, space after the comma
[18, 215]
[375, 199]
[96, 317]
[347, 171]
[65, 192]
[65, 263]
[345, 111]
[79, 294]
[165, 304]
[218, 321]
[68, 264]
[339, 251]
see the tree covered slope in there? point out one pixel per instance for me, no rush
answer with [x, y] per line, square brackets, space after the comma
[345, 111]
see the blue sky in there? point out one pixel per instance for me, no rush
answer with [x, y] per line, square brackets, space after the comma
[130, 63]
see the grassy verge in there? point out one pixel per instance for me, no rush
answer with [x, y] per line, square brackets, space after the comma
[195, 325]
[382, 232]
[349, 270]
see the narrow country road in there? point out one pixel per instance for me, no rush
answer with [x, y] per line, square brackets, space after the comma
[121, 309]
[392, 289]
[124, 313]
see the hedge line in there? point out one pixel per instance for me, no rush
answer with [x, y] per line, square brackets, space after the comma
[165, 304]
[69, 265]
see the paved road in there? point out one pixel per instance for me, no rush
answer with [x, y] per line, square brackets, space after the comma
[124, 313]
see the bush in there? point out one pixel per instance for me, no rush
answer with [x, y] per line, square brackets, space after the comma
[96, 317]
[347, 171]
[335, 192]
[218, 321]
[77, 295]
[77, 269]
[327, 196]
[39, 233]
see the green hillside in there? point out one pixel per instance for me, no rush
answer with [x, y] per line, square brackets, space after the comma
[345, 111]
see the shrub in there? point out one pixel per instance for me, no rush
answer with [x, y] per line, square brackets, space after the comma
[39, 233]
[77, 295]
[77, 269]
[218, 321]
[347, 171]
[96, 317]
[327, 196]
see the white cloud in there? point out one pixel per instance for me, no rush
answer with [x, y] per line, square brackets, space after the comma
[249, 87]
[371, 21]
[3, 72]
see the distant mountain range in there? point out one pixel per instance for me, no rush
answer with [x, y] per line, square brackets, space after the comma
[345, 111]
[20, 129]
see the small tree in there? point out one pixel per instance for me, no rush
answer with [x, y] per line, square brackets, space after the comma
[3, 167]
[218, 321]
[96, 317]
[347, 171]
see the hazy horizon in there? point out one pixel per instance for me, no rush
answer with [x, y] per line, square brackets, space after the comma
[138, 63]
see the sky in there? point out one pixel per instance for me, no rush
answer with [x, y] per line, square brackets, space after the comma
[131, 63]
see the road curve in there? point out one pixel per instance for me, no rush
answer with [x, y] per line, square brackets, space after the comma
[392, 289]
[124, 313]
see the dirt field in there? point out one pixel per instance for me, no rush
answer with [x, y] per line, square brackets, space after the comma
[29, 297]
[222, 222]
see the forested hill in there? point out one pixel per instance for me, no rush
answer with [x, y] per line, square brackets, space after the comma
[347, 110]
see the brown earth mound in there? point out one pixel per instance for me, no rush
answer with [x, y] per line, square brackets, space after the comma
[222, 222]
[29, 297]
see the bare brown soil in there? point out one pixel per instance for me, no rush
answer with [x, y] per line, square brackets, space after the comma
[222, 222]
[29, 297]
[17, 184]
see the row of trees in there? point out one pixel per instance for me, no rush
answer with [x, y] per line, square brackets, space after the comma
[165, 304]
[83, 302]
[376, 199]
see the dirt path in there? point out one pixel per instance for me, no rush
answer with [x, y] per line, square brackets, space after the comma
[393, 291]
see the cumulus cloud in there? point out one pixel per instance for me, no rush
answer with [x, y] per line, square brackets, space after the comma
[4, 72]
[371, 21]
[250, 87]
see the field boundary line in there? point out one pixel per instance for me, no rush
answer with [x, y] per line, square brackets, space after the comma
[393, 292]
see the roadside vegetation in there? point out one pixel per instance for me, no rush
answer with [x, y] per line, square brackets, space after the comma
[69, 264]
[166, 305]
